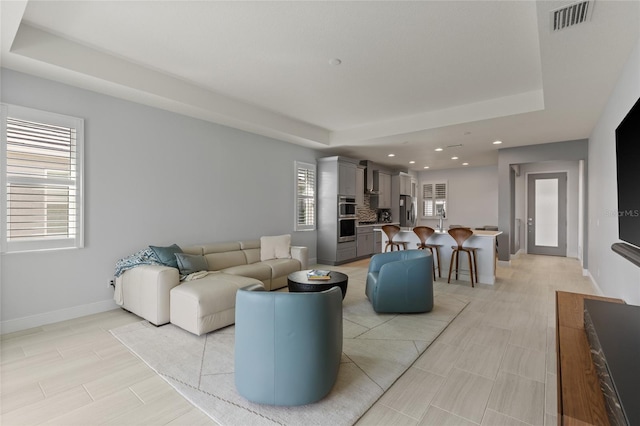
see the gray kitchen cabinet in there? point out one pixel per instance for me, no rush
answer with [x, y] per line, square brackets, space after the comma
[405, 184]
[364, 241]
[360, 185]
[347, 178]
[345, 252]
[336, 244]
[377, 242]
[384, 188]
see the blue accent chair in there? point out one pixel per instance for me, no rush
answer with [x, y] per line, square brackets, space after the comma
[400, 282]
[288, 345]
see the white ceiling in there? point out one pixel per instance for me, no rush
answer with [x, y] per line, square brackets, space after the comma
[414, 76]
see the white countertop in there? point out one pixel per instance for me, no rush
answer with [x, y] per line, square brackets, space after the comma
[379, 224]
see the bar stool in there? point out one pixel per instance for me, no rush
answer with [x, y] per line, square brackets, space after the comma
[423, 233]
[391, 231]
[460, 235]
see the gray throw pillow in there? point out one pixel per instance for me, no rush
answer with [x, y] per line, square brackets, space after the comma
[190, 263]
[166, 255]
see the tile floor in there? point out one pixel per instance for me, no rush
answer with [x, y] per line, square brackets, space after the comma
[493, 365]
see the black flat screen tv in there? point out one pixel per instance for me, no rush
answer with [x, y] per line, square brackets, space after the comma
[628, 170]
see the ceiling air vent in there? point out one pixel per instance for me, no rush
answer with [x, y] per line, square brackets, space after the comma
[570, 15]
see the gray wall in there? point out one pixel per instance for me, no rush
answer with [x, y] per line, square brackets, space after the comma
[615, 276]
[152, 177]
[559, 151]
[472, 195]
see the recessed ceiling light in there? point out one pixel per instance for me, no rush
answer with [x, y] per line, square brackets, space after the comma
[497, 142]
[454, 158]
[412, 162]
[391, 155]
[335, 61]
[438, 149]
[465, 164]
[425, 167]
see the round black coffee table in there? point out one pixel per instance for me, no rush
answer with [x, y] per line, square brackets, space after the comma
[298, 282]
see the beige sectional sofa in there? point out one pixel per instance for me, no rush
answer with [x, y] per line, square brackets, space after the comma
[207, 303]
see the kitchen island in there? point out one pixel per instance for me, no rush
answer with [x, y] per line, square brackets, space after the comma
[484, 241]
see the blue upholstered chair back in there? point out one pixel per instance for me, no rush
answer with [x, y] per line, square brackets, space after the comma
[287, 345]
[401, 281]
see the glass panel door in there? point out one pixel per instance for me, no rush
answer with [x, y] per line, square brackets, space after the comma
[547, 214]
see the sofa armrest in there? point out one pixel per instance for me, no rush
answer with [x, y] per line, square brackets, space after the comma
[301, 254]
[145, 291]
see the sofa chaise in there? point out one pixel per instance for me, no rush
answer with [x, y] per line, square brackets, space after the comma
[206, 303]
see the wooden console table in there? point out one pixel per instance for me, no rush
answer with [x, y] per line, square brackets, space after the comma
[580, 400]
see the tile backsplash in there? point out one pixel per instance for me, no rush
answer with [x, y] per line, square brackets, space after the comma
[365, 213]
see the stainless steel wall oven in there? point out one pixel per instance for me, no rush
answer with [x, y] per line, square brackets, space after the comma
[346, 206]
[346, 229]
[346, 218]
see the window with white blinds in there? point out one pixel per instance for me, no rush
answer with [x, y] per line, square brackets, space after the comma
[305, 202]
[42, 170]
[434, 199]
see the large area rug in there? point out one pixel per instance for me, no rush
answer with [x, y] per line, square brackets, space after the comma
[377, 349]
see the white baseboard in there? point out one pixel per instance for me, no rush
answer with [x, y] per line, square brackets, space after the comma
[511, 257]
[594, 282]
[18, 324]
[504, 263]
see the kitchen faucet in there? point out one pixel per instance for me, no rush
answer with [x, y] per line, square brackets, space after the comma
[441, 219]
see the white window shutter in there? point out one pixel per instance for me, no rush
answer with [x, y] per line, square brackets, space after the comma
[434, 199]
[42, 171]
[305, 197]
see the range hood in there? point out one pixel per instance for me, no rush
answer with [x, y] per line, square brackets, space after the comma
[371, 176]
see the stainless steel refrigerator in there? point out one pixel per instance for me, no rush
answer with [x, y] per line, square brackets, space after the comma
[407, 211]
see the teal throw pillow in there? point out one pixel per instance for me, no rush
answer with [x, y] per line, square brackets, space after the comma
[190, 263]
[166, 255]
